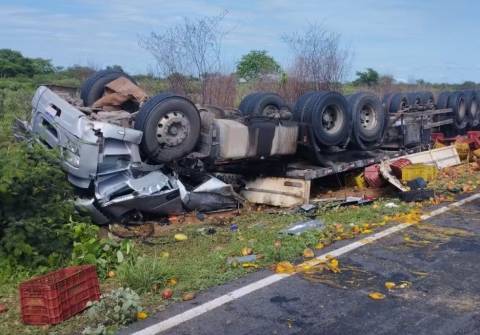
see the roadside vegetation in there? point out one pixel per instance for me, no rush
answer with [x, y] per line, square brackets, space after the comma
[40, 230]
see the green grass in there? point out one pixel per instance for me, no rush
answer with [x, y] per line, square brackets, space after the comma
[201, 261]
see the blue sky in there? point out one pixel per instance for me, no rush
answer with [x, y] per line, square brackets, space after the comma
[432, 40]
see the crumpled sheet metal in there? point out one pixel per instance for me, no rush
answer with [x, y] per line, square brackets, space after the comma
[212, 195]
[119, 91]
[151, 183]
[156, 193]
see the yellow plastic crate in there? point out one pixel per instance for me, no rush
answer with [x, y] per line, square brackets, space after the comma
[476, 153]
[425, 171]
[463, 150]
[356, 179]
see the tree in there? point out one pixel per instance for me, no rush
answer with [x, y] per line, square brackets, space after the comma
[13, 63]
[370, 77]
[191, 47]
[255, 64]
[319, 57]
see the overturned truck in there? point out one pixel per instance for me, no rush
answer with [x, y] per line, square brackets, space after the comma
[132, 155]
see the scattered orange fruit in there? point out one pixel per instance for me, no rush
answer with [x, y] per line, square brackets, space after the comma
[246, 251]
[376, 296]
[188, 296]
[167, 293]
[284, 267]
[172, 282]
[389, 285]
[308, 253]
[142, 315]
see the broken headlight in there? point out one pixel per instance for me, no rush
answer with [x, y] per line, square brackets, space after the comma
[71, 154]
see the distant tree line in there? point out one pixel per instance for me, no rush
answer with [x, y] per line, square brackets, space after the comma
[13, 64]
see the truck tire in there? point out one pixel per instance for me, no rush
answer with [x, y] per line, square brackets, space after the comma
[427, 98]
[476, 122]
[397, 102]
[442, 100]
[368, 120]
[472, 107]
[329, 116]
[246, 102]
[93, 87]
[415, 99]
[263, 104]
[300, 106]
[386, 101]
[170, 125]
[457, 102]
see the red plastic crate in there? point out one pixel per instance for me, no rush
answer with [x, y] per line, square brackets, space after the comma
[437, 137]
[397, 166]
[372, 176]
[57, 296]
[474, 135]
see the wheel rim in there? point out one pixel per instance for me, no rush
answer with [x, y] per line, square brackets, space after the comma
[332, 119]
[474, 109]
[173, 128]
[368, 117]
[270, 110]
[461, 110]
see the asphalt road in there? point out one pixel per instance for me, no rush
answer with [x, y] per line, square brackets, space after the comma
[439, 261]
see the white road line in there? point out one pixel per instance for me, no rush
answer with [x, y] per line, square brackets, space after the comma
[238, 293]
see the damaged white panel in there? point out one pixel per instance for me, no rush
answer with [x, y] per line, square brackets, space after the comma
[441, 157]
[152, 182]
[275, 191]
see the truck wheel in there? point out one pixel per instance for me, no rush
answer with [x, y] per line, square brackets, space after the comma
[415, 99]
[476, 122]
[300, 105]
[93, 87]
[170, 125]
[457, 102]
[368, 120]
[427, 98]
[246, 102]
[328, 114]
[442, 100]
[397, 102]
[263, 104]
[472, 107]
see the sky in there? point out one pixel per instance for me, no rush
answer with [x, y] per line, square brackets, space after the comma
[434, 40]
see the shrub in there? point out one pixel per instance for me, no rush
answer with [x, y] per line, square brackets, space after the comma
[35, 210]
[106, 254]
[145, 273]
[118, 307]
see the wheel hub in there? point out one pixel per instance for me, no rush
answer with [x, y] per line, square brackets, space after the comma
[173, 129]
[368, 117]
[331, 118]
